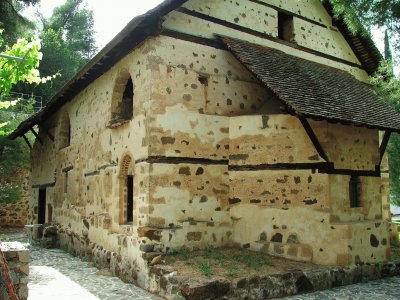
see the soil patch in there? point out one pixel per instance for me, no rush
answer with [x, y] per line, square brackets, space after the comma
[230, 263]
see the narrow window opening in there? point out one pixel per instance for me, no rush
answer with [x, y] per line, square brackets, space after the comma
[64, 134]
[123, 110]
[354, 191]
[65, 182]
[129, 200]
[127, 101]
[69, 134]
[42, 206]
[285, 27]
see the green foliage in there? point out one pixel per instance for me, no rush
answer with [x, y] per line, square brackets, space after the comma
[205, 269]
[387, 86]
[67, 44]
[253, 260]
[10, 195]
[359, 14]
[13, 71]
[12, 21]
[232, 270]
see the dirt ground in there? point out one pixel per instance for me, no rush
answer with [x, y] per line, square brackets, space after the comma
[236, 263]
[231, 263]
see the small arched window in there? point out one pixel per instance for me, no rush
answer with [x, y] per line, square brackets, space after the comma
[64, 132]
[122, 99]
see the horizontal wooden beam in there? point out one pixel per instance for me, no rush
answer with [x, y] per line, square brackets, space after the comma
[262, 35]
[44, 185]
[182, 160]
[280, 9]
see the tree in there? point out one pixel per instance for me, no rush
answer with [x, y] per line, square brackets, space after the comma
[68, 43]
[11, 20]
[21, 65]
[13, 155]
[360, 14]
[384, 14]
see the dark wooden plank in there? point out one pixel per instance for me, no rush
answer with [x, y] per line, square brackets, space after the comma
[37, 136]
[383, 145]
[27, 142]
[313, 138]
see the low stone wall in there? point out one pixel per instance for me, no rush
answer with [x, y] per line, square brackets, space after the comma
[14, 214]
[17, 259]
[270, 286]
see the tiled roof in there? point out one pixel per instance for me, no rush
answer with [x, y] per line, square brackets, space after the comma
[138, 30]
[313, 90]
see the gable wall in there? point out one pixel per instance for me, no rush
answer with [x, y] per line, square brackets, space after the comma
[249, 21]
[191, 142]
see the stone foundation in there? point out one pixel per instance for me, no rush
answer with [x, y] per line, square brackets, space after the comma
[270, 286]
[17, 259]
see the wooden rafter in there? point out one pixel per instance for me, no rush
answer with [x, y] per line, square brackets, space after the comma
[383, 145]
[313, 138]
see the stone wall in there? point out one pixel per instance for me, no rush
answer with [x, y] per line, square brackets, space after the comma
[213, 158]
[17, 259]
[16, 214]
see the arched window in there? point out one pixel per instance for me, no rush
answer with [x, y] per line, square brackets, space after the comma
[122, 99]
[64, 132]
[126, 188]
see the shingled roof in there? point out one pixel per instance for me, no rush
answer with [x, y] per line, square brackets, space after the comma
[313, 90]
[137, 31]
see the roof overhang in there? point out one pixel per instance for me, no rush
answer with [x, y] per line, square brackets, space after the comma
[136, 32]
[313, 90]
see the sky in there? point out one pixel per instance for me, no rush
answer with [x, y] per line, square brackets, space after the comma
[110, 16]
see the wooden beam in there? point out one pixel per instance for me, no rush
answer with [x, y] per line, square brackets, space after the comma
[27, 142]
[37, 136]
[262, 35]
[288, 12]
[48, 133]
[383, 145]
[313, 138]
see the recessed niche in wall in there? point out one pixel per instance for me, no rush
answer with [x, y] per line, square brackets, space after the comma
[122, 105]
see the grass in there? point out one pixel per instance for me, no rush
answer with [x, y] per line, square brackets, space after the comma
[205, 269]
[228, 262]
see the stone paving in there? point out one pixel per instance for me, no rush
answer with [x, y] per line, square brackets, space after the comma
[54, 274]
[387, 289]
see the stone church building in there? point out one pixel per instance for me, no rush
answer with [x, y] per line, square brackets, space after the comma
[243, 123]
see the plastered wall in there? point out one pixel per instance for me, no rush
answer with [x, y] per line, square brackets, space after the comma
[215, 160]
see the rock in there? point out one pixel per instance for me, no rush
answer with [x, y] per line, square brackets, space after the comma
[104, 272]
[211, 289]
[146, 248]
[156, 260]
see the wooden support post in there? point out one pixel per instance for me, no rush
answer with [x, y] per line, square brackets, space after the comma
[313, 138]
[37, 136]
[48, 133]
[383, 145]
[27, 142]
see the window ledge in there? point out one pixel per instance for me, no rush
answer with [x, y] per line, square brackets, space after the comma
[117, 123]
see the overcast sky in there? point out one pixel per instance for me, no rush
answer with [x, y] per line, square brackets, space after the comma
[110, 16]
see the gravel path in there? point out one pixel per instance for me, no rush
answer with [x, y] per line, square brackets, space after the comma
[54, 274]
